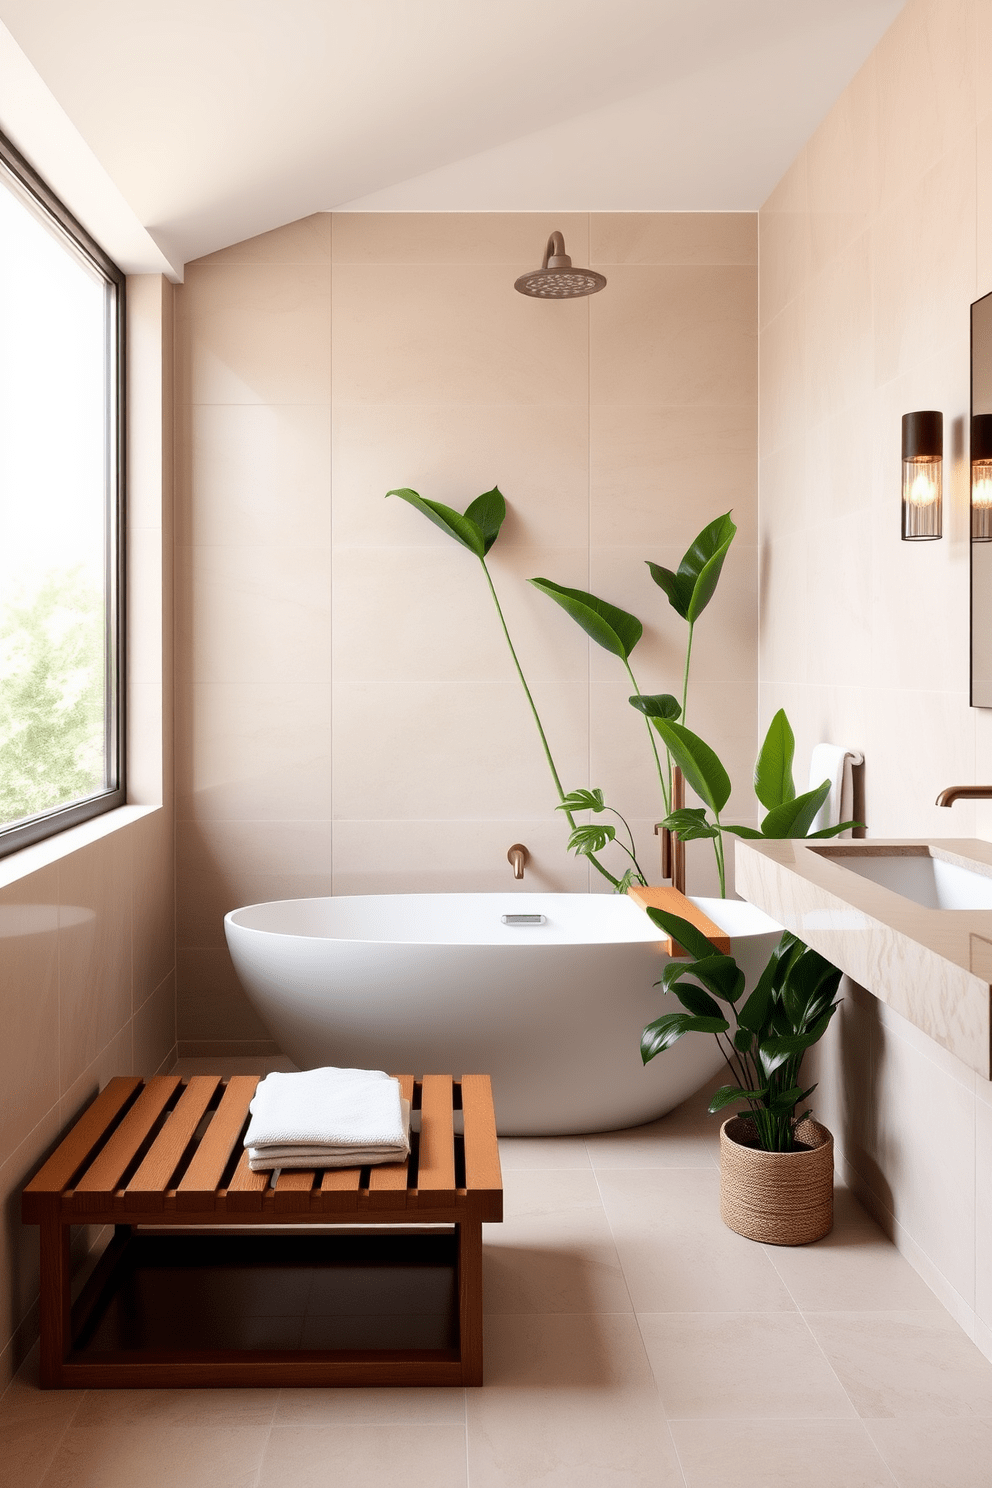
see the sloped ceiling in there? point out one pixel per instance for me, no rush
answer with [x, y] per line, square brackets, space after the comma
[219, 119]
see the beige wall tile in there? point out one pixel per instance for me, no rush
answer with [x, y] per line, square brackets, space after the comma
[153, 903]
[673, 238]
[211, 1006]
[509, 238]
[305, 241]
[842, 169]
[95, 972]
[154, 1034]
[29, 1083]
[784, 241]
[223, 864]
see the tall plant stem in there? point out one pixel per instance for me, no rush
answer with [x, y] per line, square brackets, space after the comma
[685, 673]
[666, 794]
[720, 861]
[540, 728]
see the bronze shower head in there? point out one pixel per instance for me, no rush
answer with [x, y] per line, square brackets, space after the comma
[556, 279]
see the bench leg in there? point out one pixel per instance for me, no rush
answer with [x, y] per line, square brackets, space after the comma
[55, 1301]
[470, 1300]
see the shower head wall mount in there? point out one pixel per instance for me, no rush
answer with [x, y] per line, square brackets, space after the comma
[556, 279]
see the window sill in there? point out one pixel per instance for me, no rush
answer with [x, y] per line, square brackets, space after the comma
[63, 844]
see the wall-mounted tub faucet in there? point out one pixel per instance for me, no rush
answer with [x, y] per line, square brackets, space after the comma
[964, 793]
[518, 856]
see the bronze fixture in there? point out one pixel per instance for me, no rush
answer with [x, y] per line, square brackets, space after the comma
[981, 477]
[922, 461]
[964, 793]
[518, 856]
[672, 848]
[556, 279]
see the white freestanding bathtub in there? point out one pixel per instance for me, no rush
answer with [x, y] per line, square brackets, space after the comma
[553, 1010]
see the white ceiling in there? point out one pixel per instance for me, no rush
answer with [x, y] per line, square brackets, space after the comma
[202, 122]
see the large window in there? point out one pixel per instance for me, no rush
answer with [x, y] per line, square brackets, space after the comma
[61, 506]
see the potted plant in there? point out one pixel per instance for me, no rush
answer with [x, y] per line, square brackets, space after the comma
[776, 1167]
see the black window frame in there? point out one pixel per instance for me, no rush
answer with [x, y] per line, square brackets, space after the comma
[47, 824]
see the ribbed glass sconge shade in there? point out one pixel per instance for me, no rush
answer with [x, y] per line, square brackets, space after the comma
[922, 461]
[981, 477]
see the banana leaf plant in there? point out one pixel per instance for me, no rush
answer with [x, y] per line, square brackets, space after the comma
[788, 1011]
[787, 815]
[477, 529]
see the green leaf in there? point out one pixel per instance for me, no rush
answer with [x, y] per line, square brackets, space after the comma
[611, 628]
[702, 769]
[689, 824]
[720, 974]
[754, 1011]
[666, 1031]
[687, 936]
[462, 529]
[591, 838]
[784, 1103]
[773, 784]
[656, 705]
[727, 1094]
[774, 1052]
[794, 818]
[835, 831]
[488, 512]
[690, 590]
[583, 800]
[743, 1039]
[697, 1001]
[741, 831]
[629, 879]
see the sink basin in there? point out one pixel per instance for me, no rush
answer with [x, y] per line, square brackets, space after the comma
[928, 879]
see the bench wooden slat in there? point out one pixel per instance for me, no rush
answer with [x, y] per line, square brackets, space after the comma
[104, 1174]
[340, 1180]
[662, 897]
[482, 1166]
[292, 1191]
[213, 1154]
[245, 1190]
[84, 1139]
[147, 1187]
[437, 1148]
[392, 1178]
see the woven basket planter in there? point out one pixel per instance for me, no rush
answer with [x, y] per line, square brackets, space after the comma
[779, 1198]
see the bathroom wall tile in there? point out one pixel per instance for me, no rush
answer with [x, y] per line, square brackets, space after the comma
[153, 903]
[819, 1454]
[466, 856]
[307, 241]
[211, 1005]
[784, 478]
[906, 769]
[19, 1249]
[983, 1201]
[461, 745]
[983, 204]
[154, 1034]
[222, 865]
[839, 325]
[925, 90]
[95, 974]
[784, 241]
[507, 238]
[675, 335]
[696, 1359]
[673, 238]
[536, 453]
[257, 472]
[553, 1252]
[652, 1214]
[424, 1455]
[905, 1364]
[533, 1419]
[254, 333]
[783, 354]
[254, 750]
[426, 614]
[29, 1063]
[842, 169]
[658, 475]
[838, 458]
[934, 1454]
[116, 1058]
[838, 573]
[259, 614]
[455, 333]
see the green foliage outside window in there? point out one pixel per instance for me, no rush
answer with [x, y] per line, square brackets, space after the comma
[51, 695]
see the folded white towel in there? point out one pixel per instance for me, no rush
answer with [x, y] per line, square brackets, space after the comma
[350, 1116]
[830, 762]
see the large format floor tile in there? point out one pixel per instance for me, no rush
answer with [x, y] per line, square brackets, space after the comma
[780, 1454]
[905, 1364]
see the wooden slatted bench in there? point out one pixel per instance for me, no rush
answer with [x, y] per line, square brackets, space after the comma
[163, 1161]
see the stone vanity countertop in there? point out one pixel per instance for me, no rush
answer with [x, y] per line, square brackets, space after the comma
[933, 966]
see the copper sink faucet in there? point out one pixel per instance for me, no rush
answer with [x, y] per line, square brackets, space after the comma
[517, 857]
[964, 793]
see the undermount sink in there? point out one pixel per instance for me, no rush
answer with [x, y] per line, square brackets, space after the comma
[920, 874]
[908, 920]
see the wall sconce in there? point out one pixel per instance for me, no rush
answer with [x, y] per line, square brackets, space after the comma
[981, 477]
[922, 458]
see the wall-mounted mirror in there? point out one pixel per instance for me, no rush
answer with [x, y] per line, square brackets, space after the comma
[981, 552]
